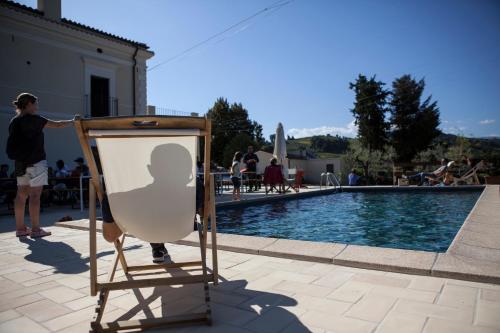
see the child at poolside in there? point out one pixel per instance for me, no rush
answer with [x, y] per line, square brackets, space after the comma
[236, 175]
[25, 145]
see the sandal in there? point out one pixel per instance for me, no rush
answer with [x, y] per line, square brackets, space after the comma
[23, 232]
[40, 233]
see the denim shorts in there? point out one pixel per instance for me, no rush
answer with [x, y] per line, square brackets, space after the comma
[236, 182]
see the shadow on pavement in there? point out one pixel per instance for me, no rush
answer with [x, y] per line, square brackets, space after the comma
[59, 255]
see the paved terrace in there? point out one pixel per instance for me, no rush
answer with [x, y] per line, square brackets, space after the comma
[44, 283]
[44, 287]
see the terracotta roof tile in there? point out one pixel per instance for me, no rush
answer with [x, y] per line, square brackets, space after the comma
[71, 24]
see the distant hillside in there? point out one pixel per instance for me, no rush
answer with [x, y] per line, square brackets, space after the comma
[334, 146]
[324, 146]
[481, 147]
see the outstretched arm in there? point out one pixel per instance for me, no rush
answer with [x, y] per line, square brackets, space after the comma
[59, 123]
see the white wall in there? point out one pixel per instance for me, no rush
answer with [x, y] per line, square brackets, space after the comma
[312, 168]
[55, 63]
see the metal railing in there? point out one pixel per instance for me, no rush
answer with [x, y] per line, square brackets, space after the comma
[161, 111]
[330, 179]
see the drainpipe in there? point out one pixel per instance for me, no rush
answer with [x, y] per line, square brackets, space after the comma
[133, 79]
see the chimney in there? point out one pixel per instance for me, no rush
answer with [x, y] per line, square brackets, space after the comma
[51, 9]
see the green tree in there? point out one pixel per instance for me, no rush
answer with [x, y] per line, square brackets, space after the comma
[369, 111]
[240, 142]
[228, 121]
[258, 133]
[370, 161]
[431, 155]
[461, 148]
[414, 123]
[329, 144]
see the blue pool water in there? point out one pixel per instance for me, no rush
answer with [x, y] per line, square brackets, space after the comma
[405, 220]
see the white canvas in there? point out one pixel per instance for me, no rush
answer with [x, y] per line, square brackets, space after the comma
[151, 185]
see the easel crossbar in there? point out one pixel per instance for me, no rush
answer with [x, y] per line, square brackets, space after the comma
[144, 283]
[163, 266]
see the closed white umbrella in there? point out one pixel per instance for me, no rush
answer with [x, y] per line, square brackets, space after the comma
[280, 149]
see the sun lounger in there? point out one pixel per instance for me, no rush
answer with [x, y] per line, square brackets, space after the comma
[470, 177]
[149, 167]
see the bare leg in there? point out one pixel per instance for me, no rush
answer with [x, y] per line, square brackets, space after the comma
[20, 204]
[35, 193]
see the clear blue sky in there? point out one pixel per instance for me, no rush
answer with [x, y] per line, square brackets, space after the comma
[294, 65]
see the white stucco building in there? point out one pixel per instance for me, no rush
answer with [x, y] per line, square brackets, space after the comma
[312, 167]
[70, 67]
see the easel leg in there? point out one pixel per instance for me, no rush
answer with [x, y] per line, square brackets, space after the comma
[103, 294]
[213, 232]
[203, 249]
[92, 240]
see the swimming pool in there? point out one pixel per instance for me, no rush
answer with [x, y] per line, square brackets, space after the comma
[417, 220]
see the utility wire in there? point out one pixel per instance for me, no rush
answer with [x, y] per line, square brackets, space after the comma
[275, 6]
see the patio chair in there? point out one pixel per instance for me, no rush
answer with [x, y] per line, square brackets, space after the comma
[149, 167]
[470, 177]
[443, 178]
[273, 176]
[294, 180]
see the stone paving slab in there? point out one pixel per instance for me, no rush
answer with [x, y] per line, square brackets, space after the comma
[394, 260]
[458, 267]
[303, 250]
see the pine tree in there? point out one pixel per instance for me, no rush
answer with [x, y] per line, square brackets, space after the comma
[369, 112]
[228, 122]
[414, 124]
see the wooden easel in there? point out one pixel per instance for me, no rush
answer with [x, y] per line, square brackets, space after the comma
[83, 126]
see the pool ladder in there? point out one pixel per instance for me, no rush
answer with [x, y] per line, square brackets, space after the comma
[330, 179]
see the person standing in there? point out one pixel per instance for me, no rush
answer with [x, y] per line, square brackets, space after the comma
[236, 175]
[25, 145]
[251, 159]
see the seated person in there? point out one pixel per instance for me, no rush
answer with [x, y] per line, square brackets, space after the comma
[81, 169]
[8, 185]
[273, 175]
[61, 170]
[353, 178]
[111, 231]
[424, 177]
[4, 171]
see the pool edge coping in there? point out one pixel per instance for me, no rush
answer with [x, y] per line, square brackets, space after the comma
[366, 257]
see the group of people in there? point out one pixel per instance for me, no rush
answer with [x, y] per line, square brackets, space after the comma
[55, 176]
[442, 175]
[250, 159]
